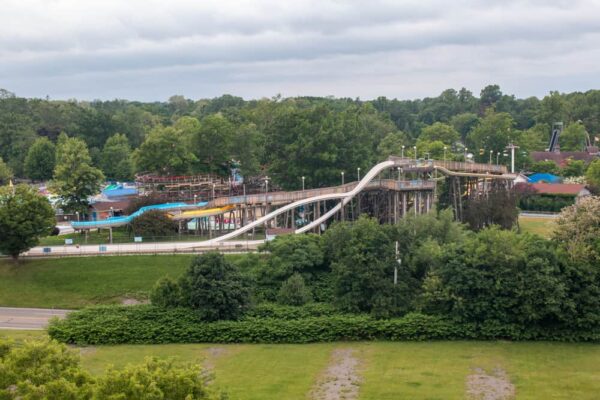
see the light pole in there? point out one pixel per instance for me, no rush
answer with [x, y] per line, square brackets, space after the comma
[266, 185]
[213, 191]
[415, 149]
[466, 148]
[342, 177]
[112, 212]
[77, 213]
[399, 173]
[402, 156]
[358, 173]
[491, 152]
[445, 148]
[497, 155]
[195, 199]
[303, 183]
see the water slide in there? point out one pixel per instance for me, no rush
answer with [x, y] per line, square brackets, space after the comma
[345, 197]
[113, 222]
[207, 212]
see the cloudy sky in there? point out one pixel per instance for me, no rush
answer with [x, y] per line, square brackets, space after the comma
[152, 49]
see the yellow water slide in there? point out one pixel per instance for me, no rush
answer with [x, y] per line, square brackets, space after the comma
[207, 212]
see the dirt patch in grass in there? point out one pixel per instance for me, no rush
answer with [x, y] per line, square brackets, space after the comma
[208, 366]
[340, 380]
[130, 301]
[493, 386]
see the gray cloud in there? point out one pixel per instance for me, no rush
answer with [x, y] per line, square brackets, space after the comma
[150, 49]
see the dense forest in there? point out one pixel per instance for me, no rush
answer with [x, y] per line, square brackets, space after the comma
[285, 138]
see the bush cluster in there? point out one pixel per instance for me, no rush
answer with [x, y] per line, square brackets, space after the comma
[148, 324]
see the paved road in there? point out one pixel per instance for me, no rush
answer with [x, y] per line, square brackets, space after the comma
[142, 248]
[27, 318]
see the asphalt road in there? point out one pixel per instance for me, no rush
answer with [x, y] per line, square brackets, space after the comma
[27, 318]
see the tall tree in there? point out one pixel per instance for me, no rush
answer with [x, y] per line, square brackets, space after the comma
[40, 160]
[362, 262]
[25, 216]
[5, 172]
[573, 137]
[116, 158]
[439, 131]
[493, 133]
[75, 180]
[165, 152]
[212, 144]
[392, 144]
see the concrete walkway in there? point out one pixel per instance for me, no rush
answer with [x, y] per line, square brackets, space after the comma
[28, 318]
[238, 246]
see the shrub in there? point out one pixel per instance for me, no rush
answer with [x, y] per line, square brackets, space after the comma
[294, 292]
[166, 293]
[153, 223]
[215, 288]
[151, 325]
[49, 370]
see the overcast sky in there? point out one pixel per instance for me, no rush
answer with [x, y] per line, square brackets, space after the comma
[152, 49]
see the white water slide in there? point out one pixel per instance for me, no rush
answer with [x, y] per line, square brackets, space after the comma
[446, 168]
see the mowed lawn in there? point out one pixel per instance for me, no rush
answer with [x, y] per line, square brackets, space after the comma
[82, 281]
[539, 225]
[386, 370]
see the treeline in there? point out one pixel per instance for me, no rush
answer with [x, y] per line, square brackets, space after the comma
[444, 282]
[286, 138]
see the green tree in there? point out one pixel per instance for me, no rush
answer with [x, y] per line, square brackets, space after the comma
[42, 370]
[439, 132]
[153, 223]
[215, 288]
[493, 133]
[166, 293]
[547, 167]
[499, 278]
[489, 96]
[362, 261]
[40, 160]
[155, 379]
[5, 172]
[464, 123]
[391, 145]
[165, 152]
[433, 150]
[16, 136]
[25, 216]
[293, 291]
[592, 175]
[578, 229]
[116, 158]
[573, 137]
[573, 168]
[75, 180]
[212, 144]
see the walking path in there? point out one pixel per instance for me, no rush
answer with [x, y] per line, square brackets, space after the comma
[28, 318]
[238, 246]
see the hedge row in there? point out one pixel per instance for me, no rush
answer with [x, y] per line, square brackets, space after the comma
[151, 325]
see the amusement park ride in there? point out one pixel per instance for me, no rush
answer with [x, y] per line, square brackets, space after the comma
[389, 191]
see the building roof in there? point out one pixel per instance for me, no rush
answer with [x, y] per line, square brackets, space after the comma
[558, 188]
[544, 177]
[106, 205]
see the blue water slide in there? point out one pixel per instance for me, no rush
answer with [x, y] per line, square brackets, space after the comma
[112, 222]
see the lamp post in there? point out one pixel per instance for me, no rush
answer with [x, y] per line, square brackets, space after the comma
[491, 152]
[112, 212]
[195, 199]
[358, 173]
[415, 149]
[445, 148]
[399, 171]
[342, 177]
[402, 156]
[497, 155]
[466, 149]
[266, 185]
[77, 213]
[213, 191]
[303, 183]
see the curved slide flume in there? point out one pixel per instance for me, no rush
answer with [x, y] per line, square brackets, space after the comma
[373, 172]
[113, 222]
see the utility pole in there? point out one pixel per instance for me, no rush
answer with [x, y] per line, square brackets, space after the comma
[399, 261]
[512, 148]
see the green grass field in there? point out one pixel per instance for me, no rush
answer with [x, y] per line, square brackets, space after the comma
[538, 225]
[81, 281]
[386, 370]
